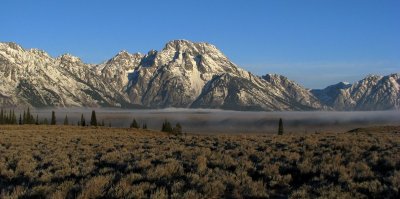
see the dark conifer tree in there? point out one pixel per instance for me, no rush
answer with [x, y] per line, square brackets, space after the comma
[31, 119]
[166, 127]
[144, 126]
[134, 124]
[93, 119]
[2, 116]
[280, 128]
[163, 127]
[37, 119]
[10, 118]
[53, 118]
[24, 118]
[83, 121]
[66, 120]
[28, 117]
[5, 119]
[178, 128]
[13, 117]
[20, 119]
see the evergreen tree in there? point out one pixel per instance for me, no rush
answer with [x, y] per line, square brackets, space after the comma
[280, 129]
[13, 118]
[9, 118]
[53, 118]
[166, 127]
[134, 124]
[144, 126]
[24, 118]
[28, 116]
[20, 119]
[2, 116]
[31, 119]
[93, 120]
[5, 117]
[178, 129]
[83, 121]
[66, 120]
[37, 119]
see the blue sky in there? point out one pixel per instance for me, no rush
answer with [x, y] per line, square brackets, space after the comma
[314, 42]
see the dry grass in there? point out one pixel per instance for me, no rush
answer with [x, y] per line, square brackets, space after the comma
[75, 162]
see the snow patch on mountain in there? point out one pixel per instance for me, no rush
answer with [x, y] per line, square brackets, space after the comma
[183, 74]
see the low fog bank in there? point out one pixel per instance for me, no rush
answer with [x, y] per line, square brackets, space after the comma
[222, 121]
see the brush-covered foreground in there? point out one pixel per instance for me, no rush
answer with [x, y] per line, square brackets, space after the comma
[76, 162]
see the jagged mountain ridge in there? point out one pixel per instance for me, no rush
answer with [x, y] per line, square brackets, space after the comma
[371, 93]
[198, 75]
[329, 94]
[183, 74]
[32, 77]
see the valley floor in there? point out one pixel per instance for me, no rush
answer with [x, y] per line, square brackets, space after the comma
[85, 162]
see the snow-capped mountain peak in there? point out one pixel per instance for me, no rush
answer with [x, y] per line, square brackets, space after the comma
[68, 58]
[182, 74]
[374, 92]
[11, 45]
[344, 83]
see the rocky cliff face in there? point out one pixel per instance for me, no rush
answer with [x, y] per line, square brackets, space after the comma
[32, 77]
[329, 94]
[198, 75]
[371, 93]
[183, 74]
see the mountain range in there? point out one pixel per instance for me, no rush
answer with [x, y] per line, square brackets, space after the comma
[183, 74]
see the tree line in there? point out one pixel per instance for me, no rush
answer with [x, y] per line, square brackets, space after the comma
[9, 117]
[166, 127]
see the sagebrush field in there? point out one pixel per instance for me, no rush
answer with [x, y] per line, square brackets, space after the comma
[85, 162]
